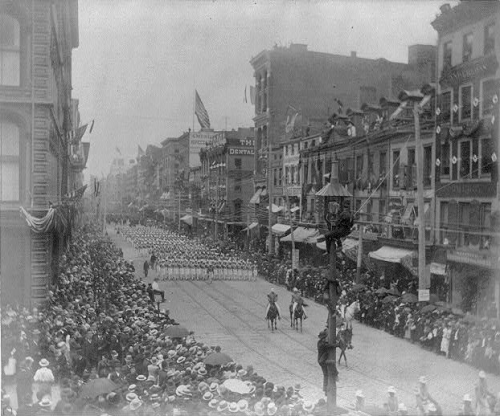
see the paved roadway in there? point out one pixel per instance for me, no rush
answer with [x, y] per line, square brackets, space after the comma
[231, 314]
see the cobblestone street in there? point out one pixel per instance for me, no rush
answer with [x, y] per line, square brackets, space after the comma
[231, 315]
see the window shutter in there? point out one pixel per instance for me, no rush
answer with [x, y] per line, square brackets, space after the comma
[474, 221]
[452, 220]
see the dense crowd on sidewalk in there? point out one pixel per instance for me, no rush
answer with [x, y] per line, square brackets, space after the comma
[100, 329]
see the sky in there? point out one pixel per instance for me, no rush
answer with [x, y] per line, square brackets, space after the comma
[139, 61]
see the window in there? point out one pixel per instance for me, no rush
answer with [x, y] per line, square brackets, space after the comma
[467, 47]
[292, 174]
[280, 177]
[447, 55]
[383, 163]
[445, 108]
[411, 157]
[465, 102]
[287, 175]
[313, 143]
[237, 163]
[464, 220]
[359, 166]
[395, 169]
[306, 172]
[445, 159]
[305, 145]
[443, 221]
[237, 185]
[286, 150]
[485, 225]
[486, 162]
[9, 162]
[465, 159]
[381, 209]
[488, 90]
[10, 51]
[427, 165]
[275, 177]
[176, 151]
[489, 39]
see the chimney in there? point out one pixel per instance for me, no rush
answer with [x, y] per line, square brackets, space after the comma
[353, 54]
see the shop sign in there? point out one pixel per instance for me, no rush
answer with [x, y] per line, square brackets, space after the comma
[294, 190]
[470, 258]
[424, 295]
[236, 151]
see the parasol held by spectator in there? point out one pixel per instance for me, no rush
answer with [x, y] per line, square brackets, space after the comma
[97, 387]
[176, 331]
[217, 358]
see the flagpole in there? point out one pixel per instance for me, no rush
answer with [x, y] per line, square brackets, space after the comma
[194, 100]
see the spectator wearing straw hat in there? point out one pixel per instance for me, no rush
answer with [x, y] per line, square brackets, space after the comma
[44, 378]
[466, 409]
[391, 404]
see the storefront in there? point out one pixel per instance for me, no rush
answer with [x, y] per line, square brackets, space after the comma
[474, 285]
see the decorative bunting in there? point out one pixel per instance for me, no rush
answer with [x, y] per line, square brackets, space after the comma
[455, 108]
[438, 111]
[438, 129]
[438, 162]
[494, 157]
[475, 102]
[454, 160]
[475, 158]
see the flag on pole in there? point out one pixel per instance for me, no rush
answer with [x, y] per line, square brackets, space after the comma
[78, 134]
[245, 97]
[201, 113]
[91, 127]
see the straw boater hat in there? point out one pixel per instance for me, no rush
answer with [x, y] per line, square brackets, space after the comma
[45, 402]
[44, 362]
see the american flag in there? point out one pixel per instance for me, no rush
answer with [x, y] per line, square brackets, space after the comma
[201, 113]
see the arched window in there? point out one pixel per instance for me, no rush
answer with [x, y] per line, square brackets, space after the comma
[10, 51]
[9, 162]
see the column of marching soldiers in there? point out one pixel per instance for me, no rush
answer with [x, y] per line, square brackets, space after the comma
[177, 257]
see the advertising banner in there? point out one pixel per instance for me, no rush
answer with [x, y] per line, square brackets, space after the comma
[197, 141]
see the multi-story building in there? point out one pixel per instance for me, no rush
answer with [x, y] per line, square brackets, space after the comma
[36, 43]
[296, 87]
[227, 165]
[467, 193]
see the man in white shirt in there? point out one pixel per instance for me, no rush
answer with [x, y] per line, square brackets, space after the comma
[156, 289]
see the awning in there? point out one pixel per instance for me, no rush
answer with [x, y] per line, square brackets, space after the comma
[264, 191]
[280, 229]
[406, 216]
[294, 209]
[438, 268]
[347, 244]
[188, 219]
[427, 215]
[255, 199]
[303, 235]
[251, 226]
[276, 208]
[390, 254]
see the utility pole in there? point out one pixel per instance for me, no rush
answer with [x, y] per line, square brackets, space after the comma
[269, 193]
[291, 225]
[216, 219]
[360, 254]
[423, 280]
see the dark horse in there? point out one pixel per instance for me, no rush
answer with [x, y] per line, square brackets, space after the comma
[344, 338]
[272, 316]
[299, 314]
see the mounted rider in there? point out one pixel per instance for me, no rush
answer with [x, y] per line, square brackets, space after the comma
[272, 298]
[297, 300]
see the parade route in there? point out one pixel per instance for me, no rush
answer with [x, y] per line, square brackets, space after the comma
[231, 314]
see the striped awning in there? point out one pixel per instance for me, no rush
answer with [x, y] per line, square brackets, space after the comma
[390, 254]
[255, 199]
[251, 226]
[280, 229]
[303, 235]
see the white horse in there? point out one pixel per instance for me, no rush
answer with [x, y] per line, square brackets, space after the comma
[347, 313]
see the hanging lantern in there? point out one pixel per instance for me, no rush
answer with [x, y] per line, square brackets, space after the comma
[438, 111]
[438, 162]
[475, 158]
[438, 129]
[475, 102]
[455, 108]
[494, 157]
[454, 160]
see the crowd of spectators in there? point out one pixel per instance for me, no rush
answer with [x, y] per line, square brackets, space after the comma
[102, 345]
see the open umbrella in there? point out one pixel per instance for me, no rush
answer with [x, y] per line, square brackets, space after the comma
[428, 308]
[358, 287]
[388, 299]
[176, 331]
[236, 386]
[97, 387]
[457, 311]
[393, 291]
[409, 298]
[217, 358]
